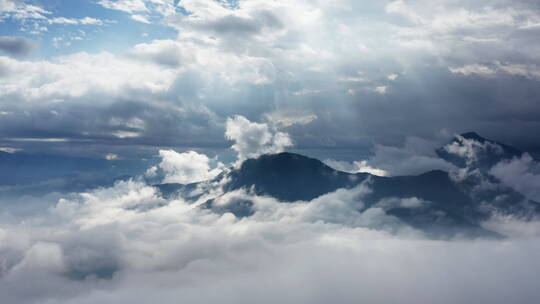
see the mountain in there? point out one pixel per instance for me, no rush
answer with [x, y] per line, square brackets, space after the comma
[290, 177]
[448, 206]
[473, 150]
[38, 174]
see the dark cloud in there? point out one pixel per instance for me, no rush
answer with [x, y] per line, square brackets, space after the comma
[371, 74]
[17, 46]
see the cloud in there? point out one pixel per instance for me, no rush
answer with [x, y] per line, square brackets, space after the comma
[142, 10]
[283, 119]
[255, 58]
[355, 167]
[17, 46]
[20, 10]
[126, 244]
[81, 21]
[185, 168]
[525, 70]
[102, 73]
[166, 52]
[111, 156]
[511, 226]
[253, 139]
[125, 5]
[140, 18]
[415, 156]
[9, 150]
[521, 174]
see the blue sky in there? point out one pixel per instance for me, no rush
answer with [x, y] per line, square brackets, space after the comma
[108, 29]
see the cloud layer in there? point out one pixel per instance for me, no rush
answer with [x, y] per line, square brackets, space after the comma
[369, 73]
[125, 244]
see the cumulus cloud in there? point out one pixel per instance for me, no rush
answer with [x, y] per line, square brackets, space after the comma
[166, 52]
[253, 139]
[17, 46]
[185, 168]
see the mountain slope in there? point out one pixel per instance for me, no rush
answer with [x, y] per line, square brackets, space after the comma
[290, 177]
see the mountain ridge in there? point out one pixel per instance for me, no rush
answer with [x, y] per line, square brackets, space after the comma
[452, 207]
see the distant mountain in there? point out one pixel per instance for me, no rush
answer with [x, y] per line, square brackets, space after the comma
[37, 174]
[471, 149]
[452, 206]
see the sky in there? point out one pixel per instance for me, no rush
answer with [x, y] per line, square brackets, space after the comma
[129, 77]
[102, 99]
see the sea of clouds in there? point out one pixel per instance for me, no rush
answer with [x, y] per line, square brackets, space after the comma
[128, 244]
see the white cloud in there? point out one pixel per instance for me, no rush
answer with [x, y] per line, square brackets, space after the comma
[380, 89]
[355, 167]
[415, 156]
[283, 119]
[20, 10]
[140, 18]
[510, 226]
[392, 76]
[81, 21]
[253, 139]
[125, 5]
[111, 156]
[470, 149]
[9, 150]
[166, 52]
[81, 74]
[187, 167]
[125, 244]
[523, 70]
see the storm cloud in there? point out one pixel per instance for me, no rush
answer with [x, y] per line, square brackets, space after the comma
[372, 73]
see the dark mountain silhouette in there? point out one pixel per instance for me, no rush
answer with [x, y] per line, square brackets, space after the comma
[290, 177]
[450, 206]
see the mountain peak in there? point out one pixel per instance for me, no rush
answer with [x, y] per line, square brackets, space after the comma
[473, 135]
[306, 177]
[486, 155]
[283, 160]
